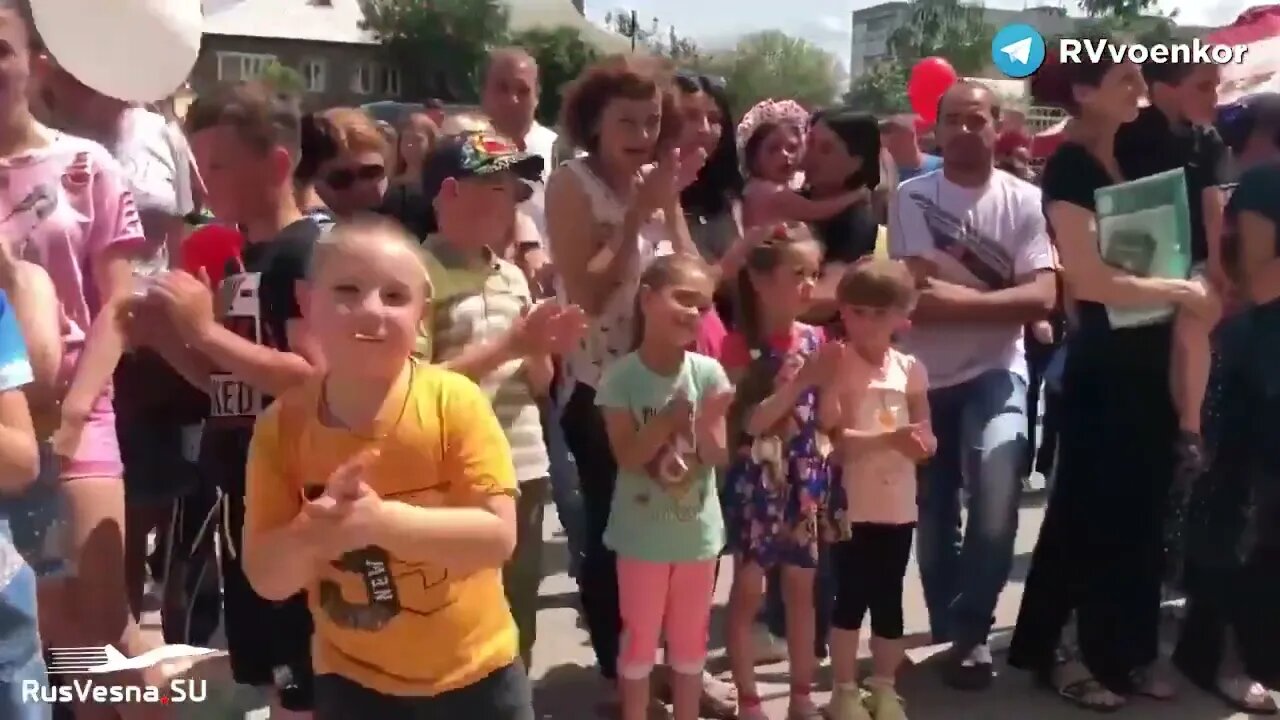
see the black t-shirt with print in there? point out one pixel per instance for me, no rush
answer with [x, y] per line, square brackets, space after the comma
[1151, 144]
[256, 304]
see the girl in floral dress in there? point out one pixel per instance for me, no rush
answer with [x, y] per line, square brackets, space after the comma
[778, 495]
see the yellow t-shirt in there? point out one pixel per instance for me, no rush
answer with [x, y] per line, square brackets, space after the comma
[395, 627]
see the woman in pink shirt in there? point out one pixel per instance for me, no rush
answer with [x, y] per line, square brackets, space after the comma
[64, 206]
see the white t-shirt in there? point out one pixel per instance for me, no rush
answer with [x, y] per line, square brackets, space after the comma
[157, 163]
[540, 141]
[986, 238]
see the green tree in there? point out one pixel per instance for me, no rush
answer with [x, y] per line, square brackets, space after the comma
[951, 29]
[284, 79]
[651, 38]
[440, 46]
[561, 54]
[881, 90]
[772, 64]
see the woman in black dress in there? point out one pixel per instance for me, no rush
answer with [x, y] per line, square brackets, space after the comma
[1100, 556]
[1230, 640]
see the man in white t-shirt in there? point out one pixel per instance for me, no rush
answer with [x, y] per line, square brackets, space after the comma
[976, 239]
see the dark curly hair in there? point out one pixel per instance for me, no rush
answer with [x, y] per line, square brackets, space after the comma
[617, 76]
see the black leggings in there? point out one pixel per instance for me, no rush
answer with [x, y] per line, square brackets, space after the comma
[585, 435]
[869, 569]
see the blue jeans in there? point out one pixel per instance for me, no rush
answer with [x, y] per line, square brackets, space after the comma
[21, 661]
[981, 426]
[564, 483]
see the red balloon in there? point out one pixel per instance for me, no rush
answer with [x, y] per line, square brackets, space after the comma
[929, 79]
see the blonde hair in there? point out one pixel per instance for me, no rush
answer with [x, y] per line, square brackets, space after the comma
[357, 233]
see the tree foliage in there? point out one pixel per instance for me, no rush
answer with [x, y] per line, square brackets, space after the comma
[881, 90]
[283, 78]
[951, 29]
[772, 64]
[439, 46]
[561, 54]
[650, 36]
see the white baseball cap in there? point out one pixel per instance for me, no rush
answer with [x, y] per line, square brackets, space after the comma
[133, 50]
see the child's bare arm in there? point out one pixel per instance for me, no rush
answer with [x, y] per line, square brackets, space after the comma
[19, 456]
[538, 373]
[39, 315]
[634, 446]
[460, 539]
[103, 347]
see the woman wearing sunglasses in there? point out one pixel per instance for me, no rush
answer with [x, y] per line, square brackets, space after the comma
[349, 158]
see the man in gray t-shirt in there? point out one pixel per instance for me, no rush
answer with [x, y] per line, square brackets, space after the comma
[976, 239]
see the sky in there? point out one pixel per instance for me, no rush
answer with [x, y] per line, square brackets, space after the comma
[827, 23]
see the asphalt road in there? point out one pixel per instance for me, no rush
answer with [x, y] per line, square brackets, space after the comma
[567, 687]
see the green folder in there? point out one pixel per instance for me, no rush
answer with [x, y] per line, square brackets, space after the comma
[1144, 228]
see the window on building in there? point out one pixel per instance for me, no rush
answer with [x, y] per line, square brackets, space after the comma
[362, 79]
[391, 82]
[237, 67]
[375, 78]
[314, 72]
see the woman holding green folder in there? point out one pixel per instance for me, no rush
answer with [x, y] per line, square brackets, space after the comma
[1100, 556]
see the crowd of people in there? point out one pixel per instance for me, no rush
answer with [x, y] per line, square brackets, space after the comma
[794, 342]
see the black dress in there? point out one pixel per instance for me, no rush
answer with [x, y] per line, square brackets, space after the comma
[1232, 562]
[1100, 555]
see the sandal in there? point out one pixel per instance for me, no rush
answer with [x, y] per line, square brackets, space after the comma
[1153, 682]
[1245, 695]
[1075, 684]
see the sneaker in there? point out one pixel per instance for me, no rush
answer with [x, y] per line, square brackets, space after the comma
[846, 704]
[969, 668]
[769, 647]
[885, 703]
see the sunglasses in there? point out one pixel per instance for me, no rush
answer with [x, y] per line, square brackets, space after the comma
[343, 178]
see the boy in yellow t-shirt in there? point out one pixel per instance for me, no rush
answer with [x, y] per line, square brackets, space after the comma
[385, 489]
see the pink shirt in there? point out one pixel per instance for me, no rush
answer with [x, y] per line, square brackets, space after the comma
[881, 484]
[63, 205]
[711, 335]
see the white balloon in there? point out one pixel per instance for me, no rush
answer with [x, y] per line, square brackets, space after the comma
[133, 50]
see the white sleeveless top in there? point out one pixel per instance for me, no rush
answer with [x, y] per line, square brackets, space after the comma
[610, 334]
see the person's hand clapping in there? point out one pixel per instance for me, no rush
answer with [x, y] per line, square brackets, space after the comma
[916, 441]
[660, 188]
[188, 301]
[691, 165]
[344, 515]
[678, 413]
[823, 366]
[548, 328]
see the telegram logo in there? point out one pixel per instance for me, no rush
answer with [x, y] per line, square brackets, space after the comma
[1017, 50]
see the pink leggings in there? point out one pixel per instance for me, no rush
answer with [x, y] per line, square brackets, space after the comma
[671, 599]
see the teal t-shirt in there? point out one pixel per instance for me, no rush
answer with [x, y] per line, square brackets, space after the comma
[670, 513]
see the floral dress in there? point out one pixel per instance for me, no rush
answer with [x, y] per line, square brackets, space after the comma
[780, 503]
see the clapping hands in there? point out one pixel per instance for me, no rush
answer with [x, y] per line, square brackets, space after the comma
[344, 511]
[916, 441]
[549, 328]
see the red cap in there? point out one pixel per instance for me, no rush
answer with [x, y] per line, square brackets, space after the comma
[211, 247]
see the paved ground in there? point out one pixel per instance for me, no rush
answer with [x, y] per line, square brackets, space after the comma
[567, 687]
